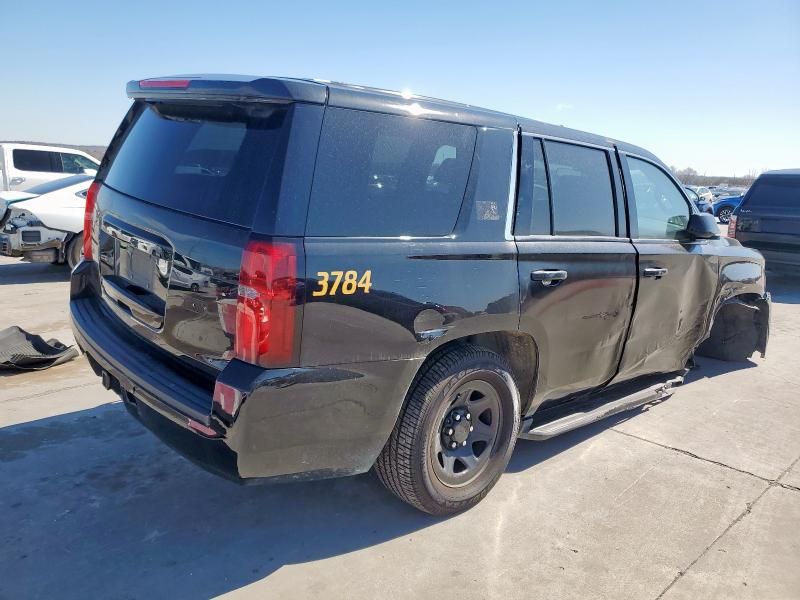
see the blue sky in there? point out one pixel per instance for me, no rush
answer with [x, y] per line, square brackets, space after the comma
[712, 85]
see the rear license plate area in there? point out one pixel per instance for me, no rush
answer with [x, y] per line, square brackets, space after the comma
[135, 266]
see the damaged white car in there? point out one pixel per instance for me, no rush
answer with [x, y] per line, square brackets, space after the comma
[48, 226]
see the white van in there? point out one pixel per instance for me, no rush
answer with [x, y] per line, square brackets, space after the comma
[25, 165]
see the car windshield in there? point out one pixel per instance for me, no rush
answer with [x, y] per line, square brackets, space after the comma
[58, 184]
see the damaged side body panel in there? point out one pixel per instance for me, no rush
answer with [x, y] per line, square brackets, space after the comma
[738, 325]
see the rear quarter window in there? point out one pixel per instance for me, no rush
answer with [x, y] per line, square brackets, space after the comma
[381, 175]
[205, 160]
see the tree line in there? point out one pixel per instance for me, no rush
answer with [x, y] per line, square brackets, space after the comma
[689, 176]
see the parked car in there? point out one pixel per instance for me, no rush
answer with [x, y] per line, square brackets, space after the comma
[724, 207]
[9, 198]
[23, 166]
[49, 226]
[703, 192]
[493, 288]
[701, 203]
[724, 192]
[768, 218]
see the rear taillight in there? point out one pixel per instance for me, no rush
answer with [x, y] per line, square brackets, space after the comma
[88, 219]
[732, 226]
[265, 308]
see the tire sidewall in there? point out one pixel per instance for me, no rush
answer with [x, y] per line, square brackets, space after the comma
[75, 251]
[474, 368]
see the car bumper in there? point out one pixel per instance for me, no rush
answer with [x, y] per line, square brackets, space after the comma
[293, 423]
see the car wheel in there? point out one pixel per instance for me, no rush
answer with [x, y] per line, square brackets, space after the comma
[75, 251]
[724, 214]
[455, 434]
[195, 287]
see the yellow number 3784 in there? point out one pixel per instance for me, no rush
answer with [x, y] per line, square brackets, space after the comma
[345, 282]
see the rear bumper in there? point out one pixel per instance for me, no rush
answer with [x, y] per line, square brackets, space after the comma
[293, 423]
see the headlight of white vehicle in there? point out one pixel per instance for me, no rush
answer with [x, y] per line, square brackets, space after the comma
[21, 218]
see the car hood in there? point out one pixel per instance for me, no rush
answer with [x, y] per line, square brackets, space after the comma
[15, 196]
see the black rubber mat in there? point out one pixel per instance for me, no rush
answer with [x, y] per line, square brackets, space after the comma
[20, 350]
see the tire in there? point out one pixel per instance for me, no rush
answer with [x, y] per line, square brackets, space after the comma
[74, 251]
[734, 336]
[195, 288]
[416, 466]
[724, 215]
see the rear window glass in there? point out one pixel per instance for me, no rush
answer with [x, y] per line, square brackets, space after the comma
[580, 182]
[210, 161]
[775, 192]
[36, 160]
[383, 175]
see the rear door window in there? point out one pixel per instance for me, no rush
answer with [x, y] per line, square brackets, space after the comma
[204, 160]
[381, 175]
[36, 160]
[580, 182]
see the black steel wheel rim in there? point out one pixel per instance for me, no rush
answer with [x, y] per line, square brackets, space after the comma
[468, 429]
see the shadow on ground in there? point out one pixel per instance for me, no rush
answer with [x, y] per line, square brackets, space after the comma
[23, 272]
[91, 501]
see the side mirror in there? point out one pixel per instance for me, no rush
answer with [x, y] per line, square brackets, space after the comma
[702, 226]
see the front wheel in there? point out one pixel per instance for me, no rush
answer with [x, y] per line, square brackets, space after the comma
[724, 215]
[455, 434]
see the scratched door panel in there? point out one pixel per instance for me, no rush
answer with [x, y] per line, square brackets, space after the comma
[579, 323]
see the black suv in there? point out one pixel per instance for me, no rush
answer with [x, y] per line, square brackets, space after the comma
[768, 218]
[293, 279]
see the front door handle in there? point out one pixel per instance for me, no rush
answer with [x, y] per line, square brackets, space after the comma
[549, 276]
[657, 272]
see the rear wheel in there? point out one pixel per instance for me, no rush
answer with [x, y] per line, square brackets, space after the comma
[74, 251]
[724, 214]
[455, 434]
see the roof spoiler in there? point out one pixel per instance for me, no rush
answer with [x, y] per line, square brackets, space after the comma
[229, 88]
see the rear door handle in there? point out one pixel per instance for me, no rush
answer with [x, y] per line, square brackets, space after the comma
[17, 181]
[657, 272]
[549, 276]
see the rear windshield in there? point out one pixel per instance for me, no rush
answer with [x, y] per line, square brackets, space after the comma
[381, 175]
[775, 192]
[205, 160]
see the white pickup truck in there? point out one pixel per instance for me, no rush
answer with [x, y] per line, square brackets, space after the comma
[25, 165]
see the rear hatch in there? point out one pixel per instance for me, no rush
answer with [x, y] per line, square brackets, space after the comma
[769, 217]
[175, 210]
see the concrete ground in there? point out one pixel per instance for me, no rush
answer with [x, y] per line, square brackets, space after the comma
[695, 497]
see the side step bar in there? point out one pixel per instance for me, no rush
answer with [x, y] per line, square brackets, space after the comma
[595, 410]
